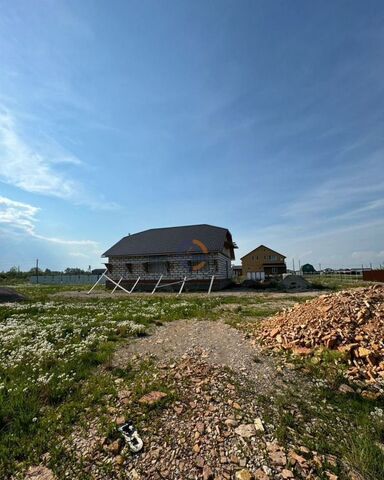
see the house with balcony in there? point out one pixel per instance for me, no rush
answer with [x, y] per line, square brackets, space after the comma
[263, 262]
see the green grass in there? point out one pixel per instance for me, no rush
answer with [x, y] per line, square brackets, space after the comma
[55, 371]
[328, 422]
[335, 283]
[315, 414]
[49, 350]
[43, 292]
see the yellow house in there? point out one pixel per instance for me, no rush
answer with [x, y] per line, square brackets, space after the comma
[262, 262]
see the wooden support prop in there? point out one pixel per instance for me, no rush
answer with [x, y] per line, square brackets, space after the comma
[137, 281]
[117, 285]
[110, 279]
[182, 286]
[157, 284]
[169, 284]
[211, 284]
[97, 281]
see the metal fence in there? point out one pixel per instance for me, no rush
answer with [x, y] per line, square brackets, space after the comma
[83, 279]
[345, 277]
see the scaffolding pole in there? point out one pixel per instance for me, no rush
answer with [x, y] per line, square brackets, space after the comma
[157, 284]
[182, 286]
[110, 279]
[211, 284]
[97, 281]
[117, 285]
[137, 281]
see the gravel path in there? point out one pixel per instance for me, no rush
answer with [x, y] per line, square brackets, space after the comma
[216, 342]
[215, 383]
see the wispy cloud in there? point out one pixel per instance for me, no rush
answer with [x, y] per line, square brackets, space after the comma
[21, 218]
[25, 168]
[41, 169]
[17, 214]
[368, 255]
[353, 191]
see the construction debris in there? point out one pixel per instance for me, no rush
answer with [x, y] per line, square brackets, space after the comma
[294, 283]
[152, 397]
[198, 434]
[350, 322]
[39, 473]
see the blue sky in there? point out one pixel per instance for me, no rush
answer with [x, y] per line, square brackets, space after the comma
[265, 117]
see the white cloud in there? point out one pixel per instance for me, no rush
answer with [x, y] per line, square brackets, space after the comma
[41, 168]
[21, 217]
[25, 168]
[17, 214]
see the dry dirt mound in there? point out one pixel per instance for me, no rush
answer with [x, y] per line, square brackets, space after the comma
[351, 322]
[9, 295]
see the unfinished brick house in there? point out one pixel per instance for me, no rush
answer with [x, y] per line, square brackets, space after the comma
[196, 252]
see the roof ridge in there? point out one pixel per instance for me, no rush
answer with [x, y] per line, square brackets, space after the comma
[177, 226]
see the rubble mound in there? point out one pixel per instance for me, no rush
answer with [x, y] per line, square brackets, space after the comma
[351, 322]
[294, 283]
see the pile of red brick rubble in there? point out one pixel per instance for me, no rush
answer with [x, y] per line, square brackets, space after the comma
[351, 322]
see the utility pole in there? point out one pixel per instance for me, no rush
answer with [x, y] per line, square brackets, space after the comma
[37, 270]
[293, 265]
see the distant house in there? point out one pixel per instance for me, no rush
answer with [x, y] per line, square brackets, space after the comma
[262, 262]
[237, 270]
[194, 251]
[98, 271]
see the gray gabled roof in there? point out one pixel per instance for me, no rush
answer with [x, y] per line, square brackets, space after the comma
[172, 240]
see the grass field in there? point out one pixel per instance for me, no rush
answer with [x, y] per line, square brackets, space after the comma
[336, 282]
[51, 348]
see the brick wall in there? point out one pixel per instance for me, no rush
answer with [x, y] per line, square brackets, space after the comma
[216, 264]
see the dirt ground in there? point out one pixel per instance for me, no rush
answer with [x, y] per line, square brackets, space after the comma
[224, 409]
[214, 342]
[211, 426]
[223, 293]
